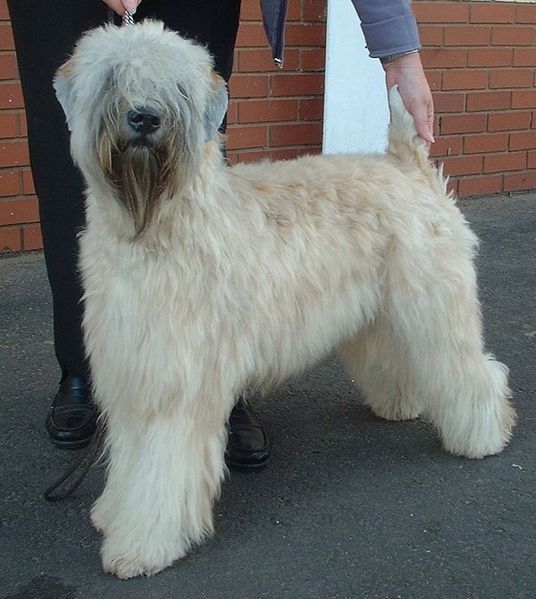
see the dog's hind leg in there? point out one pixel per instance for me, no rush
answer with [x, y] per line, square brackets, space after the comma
[372, 364]
[435, 329]
[424, 353]
[466, 390]
[164, 474]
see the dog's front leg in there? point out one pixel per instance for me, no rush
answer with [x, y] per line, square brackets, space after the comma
[163, 477]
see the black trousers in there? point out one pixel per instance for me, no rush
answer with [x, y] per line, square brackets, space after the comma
[45, 33]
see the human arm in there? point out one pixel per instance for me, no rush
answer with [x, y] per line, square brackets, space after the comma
[390, 29]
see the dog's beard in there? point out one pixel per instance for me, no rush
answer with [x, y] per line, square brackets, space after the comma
[138, 175]
[141, 175]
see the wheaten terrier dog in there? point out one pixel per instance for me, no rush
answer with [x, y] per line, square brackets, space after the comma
[202, 280]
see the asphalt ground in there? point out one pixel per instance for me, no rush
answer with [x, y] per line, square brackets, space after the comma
[350, 506]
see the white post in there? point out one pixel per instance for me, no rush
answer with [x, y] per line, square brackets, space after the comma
[356, 113]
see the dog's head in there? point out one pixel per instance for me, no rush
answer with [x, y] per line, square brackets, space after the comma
[141, 103]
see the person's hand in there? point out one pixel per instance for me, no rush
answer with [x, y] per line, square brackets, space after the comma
[407, 72]
[119, 6]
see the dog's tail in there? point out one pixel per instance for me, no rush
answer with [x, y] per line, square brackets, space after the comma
[405, 143]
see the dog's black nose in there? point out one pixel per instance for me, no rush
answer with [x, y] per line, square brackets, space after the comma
[143, 120]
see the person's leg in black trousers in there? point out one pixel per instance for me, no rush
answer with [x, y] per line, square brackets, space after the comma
[45, 32]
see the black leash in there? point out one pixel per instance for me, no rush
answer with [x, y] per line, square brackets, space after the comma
[84, 464]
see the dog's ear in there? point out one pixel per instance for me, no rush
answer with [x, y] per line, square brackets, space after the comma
[63, 86]
[216, 108]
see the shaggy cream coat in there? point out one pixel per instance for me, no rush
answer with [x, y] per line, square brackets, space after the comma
[208, 280]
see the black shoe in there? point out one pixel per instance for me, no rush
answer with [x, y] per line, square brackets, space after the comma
[72, 418]
[248, 447]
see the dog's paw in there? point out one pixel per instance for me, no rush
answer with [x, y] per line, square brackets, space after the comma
[129, 561]
[480, 425]
[125, 567]
[396, 412]
[486, 433]
[127, 554]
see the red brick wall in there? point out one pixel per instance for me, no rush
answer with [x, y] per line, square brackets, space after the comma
[480, 59]
[278, 113]
[19, 216]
